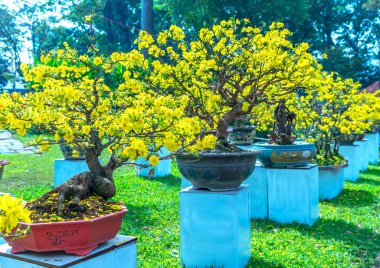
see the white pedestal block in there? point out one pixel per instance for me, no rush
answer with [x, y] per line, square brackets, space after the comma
[163, 168]
[363, 155]
[65, 169]
[215, 228]
[373, 148]
[330, 182]
[185, 183]
[258, 182]
[120, 252]
[293, 194]
[352, 154]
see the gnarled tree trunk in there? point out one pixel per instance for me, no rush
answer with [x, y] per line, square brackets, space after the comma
[97, 181]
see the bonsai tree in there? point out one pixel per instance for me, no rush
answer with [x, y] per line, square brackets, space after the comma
[283, 125]
[230, 69]
[95, 103]
[333, 108]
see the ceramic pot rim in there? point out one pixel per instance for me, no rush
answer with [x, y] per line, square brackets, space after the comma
[243, 128]
[296, 146]
[333, 167]
[221, 155]
[122, 211]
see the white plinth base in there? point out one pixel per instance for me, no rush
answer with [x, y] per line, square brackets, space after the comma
[258, 182]
[363, 154]
[330, 183]
[120, 252]
[185, 183]
[293, 194]
[215, 228]
[373, 148]
[65, 169]
[164, 167]
[352, 154]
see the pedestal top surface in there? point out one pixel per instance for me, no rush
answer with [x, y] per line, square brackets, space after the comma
[205, 191]
[74, 160]
[349, 145]
[308, 166]
[58, 259]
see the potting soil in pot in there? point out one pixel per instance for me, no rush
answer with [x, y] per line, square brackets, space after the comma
[45, 209]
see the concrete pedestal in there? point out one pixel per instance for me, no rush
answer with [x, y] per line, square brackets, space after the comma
[120, 252]
[293, 194]
[163, 168]
[185, 183]
[373, 148]
[363, 154]
[352, 154]
[65, 169]
[258, 182]
[330, 182]
[215, 228]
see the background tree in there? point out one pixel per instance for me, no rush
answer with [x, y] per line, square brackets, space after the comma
[147, 16]
[39, 25]
[348, 32]
[10, 41]
[116, 22]
[4, 70]
[193, 15]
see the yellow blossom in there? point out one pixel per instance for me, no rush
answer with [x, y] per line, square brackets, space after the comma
[154, 160]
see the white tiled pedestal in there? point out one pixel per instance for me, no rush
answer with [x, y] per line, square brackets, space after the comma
[330, 182]
[363, 154]
[258, 182]
[163, 168]
[215, 228]
[373, 148]
[293, 194]
[65, 169]
[352, 154]
[120, 252]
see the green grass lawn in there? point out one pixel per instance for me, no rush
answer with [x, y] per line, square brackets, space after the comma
[346, 235]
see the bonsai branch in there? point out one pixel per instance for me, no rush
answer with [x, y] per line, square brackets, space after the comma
[283, 126]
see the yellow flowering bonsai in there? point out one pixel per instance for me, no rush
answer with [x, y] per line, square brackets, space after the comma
[230, 69]
[96, 103]
[334, 108]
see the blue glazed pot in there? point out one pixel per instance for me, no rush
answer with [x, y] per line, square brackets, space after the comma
[217, 171]
[348, 139]
[297, 154]
[242, 135]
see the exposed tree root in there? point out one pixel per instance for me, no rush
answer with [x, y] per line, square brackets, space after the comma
[80, 187]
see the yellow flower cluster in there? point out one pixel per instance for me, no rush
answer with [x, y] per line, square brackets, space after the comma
[73, 101]
[333, 107]
[231, 66]
[11, 213]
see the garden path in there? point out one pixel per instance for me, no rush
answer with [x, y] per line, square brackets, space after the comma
[9, 145]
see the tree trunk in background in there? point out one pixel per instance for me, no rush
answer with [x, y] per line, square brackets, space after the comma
[147, 15]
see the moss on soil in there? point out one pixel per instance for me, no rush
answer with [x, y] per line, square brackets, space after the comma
[45, 209]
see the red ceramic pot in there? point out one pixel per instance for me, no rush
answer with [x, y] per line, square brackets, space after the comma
[74, 237]
[2, 165]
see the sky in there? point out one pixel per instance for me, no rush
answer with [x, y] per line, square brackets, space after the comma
[25, 54]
